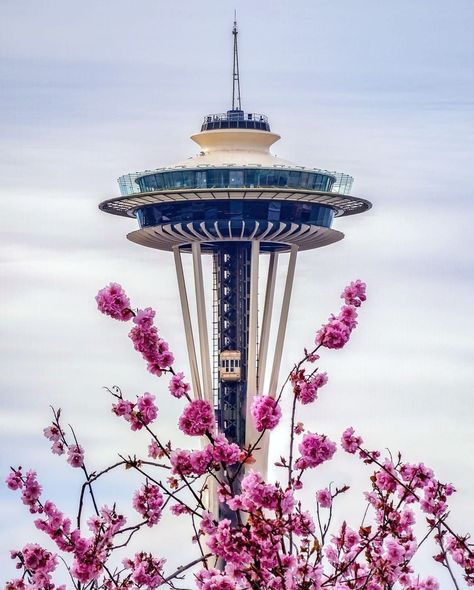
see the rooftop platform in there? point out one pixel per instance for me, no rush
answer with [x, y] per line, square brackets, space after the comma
[235, 119]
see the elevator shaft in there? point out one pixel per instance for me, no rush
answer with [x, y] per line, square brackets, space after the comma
[232, 271]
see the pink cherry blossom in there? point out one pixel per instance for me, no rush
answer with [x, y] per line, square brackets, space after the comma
[140, 414]
[144, 317]
[56, 526]
[154, 450]
[147, 408]
[197, 418]
[215, 581]
[113, 301]
[302, 524]
[56, 436]
[146, 570]
[395, 552]
[148, 501]
[385, 479]
[354, 293]
[201, 460]
[334, 334]
[180, 460]
[75, 456]
[123, 408]
[255, 494]
[266, 412]
[315, 449]
[31, 492]
[306, 389]
[146, 340]
[179, 509]
[223, 451]
[207, 525]
[324, 498]
[349, 442]
[177, 385]
[350, 537]
[39, 563]
[311, 357]
[52, 433]
[348, 315]
[13, 480]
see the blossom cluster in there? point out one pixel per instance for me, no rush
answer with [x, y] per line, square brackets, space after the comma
[139, 414]
[337, 331]
[266, 412]
[219, 452]
[147, 341]
[178, 387]
[197, 418]
[29, 486]
[39, 563]
[146, 571]
[89, 553]
[306, 387]
[265, 538]
[315, 449]
[148, 501]
[113, 301]
[55, 434]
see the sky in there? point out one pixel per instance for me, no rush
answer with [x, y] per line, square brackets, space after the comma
[380, 90]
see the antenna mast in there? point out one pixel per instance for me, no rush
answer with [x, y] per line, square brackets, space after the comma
[236, 104]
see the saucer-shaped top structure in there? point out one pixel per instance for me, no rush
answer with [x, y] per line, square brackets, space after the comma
[235, 189]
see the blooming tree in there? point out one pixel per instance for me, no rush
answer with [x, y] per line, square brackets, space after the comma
[273, 541]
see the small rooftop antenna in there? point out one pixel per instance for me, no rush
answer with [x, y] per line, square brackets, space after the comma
[236, 104]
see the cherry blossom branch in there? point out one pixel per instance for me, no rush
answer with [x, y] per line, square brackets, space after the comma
[445, 555]
[183, 568]
[168, 492]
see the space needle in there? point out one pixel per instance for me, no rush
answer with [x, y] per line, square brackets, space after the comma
[238, 203]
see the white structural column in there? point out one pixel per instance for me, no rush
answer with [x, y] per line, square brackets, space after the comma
[188, 328]
[202, 323]
[252, 341]
[261, 453]
[266, 322]
[283, 322]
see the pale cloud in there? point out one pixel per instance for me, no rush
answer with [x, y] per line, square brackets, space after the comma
[380, 91]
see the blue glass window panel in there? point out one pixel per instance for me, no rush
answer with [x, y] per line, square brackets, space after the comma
[235, 211]
[234, 178]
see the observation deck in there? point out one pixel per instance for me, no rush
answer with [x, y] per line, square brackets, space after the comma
[235, 190]
[235, 119]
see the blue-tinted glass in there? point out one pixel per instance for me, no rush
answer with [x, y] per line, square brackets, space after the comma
[234, 178]
[235, 210]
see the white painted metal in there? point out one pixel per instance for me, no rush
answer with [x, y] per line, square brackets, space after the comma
[202, 323]
[252, 341]
[343, 204]
[266, 321]
[261, 454]
[188, 328]
[283, 321]
[210, 498]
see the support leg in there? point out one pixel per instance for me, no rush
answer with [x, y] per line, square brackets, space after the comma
[252, 341]
[266, 321]
[202, 324]
[188, 329]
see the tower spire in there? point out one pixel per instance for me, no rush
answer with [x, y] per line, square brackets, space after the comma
[236, 104]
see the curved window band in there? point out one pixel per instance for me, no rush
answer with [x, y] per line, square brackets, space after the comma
[212, 178]
[234, 211]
